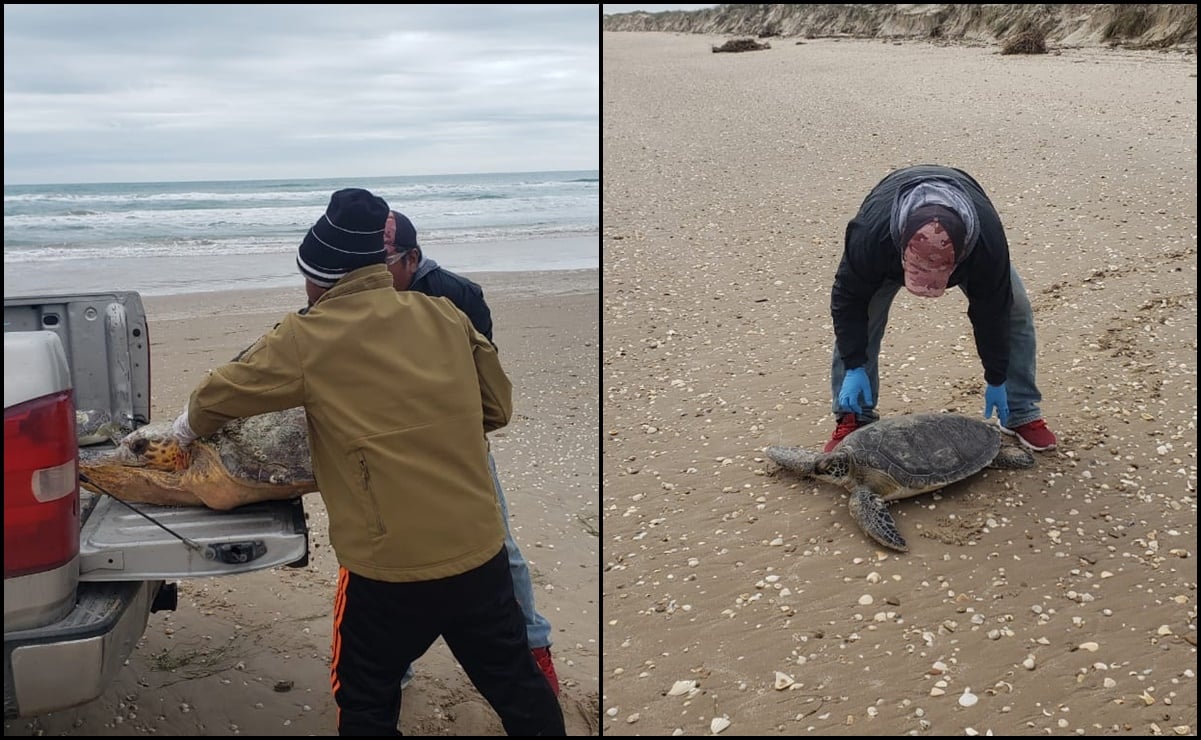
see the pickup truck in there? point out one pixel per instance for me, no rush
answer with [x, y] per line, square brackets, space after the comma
[83, 571]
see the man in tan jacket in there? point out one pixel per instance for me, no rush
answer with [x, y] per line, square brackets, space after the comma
[399, 390]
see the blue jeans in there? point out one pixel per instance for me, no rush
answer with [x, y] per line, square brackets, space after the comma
[537, 628]
[1020, 385]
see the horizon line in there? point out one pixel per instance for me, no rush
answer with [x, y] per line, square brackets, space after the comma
[297, 179]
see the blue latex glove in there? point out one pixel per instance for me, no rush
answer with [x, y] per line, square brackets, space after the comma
[854, 384]
[996, 398]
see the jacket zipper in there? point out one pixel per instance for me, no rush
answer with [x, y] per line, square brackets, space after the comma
[365, 474]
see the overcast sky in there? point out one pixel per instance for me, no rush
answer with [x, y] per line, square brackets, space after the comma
[128, 93]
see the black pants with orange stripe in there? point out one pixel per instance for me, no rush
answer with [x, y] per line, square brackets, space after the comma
[382, 627]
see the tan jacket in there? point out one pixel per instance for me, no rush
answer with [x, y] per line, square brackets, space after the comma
[399, 390]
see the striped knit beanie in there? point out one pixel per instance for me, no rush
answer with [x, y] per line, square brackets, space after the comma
[350, 235]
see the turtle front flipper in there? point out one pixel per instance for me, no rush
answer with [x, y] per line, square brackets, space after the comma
[792, 458]
[871, 514]
[136, 485]
[210, 481]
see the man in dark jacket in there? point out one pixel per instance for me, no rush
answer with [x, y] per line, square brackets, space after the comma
[928, 228]
[412, 270]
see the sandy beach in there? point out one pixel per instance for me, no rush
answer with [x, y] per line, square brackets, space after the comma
[211, 667]
[1059, 600]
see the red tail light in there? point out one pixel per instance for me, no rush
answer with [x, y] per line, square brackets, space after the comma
[41, 485]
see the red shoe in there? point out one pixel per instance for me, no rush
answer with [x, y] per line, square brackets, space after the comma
[1033, 435]
[542, 658]
[847, 423]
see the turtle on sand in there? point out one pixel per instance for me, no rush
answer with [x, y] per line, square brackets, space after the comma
[259, 458]
[900, 457]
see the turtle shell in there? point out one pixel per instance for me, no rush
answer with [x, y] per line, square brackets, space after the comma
[921, 452]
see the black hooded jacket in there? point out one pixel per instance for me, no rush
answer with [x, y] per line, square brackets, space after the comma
[872, 256]
[465, 294]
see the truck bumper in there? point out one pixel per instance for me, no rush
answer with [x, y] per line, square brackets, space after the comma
[73, 661]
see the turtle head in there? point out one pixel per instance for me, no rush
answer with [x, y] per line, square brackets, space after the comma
[796, 459]
[149, 459]
[153, 447]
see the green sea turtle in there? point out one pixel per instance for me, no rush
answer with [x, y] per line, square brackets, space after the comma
[900, 457]
[260, 458]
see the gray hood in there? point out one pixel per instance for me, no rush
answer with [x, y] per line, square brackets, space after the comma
[941, 193]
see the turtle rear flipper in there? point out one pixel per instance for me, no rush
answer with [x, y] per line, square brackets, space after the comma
[1010, 457]
[792, 458]
[870, 512]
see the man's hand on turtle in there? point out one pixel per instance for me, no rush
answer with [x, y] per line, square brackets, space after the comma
[995, 398]
[855, 384]
[182, 430]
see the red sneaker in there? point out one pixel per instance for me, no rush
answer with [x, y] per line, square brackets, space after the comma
[847, 423]
[542, 658]
[1033, 435]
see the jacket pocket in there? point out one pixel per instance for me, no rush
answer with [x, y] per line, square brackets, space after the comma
[366, 496]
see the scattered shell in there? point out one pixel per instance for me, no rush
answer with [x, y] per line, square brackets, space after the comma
[633, 718]
[783, 681]
[1092, 647]
[1109, 682]
[718, 724]
[866, 600]
[1028, 663]
[968, 699]
[938, 668]
[1163, 630]
[937, 691]
[679, 688]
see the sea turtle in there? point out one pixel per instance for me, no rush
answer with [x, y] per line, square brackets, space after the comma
[900, 457]
[260, 458]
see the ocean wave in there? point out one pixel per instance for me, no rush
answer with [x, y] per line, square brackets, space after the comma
[99, 222]
[29, 229]
[213, 247]
[285, 192]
